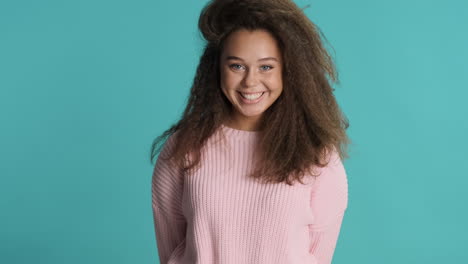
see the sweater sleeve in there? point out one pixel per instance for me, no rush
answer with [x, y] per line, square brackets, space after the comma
[329, 200]
[169, 222]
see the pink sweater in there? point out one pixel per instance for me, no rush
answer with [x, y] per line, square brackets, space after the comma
[219, 215]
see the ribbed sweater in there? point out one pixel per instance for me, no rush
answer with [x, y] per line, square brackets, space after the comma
[219, 215]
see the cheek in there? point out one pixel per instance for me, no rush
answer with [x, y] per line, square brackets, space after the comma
[223, 80]
[276, 83]
[229, 81]
[225, 85]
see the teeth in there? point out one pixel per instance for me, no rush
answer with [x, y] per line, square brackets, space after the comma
[251, 96]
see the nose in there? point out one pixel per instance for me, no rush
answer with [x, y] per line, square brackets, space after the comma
[251, 78]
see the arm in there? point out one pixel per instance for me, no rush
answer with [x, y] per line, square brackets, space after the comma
[166, 188]
[329, 200]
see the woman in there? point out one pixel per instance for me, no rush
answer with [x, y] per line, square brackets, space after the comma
[253, 172]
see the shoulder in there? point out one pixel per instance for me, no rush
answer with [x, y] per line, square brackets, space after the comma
[169, 145]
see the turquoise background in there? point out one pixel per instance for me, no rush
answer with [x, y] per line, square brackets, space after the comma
[85, 86]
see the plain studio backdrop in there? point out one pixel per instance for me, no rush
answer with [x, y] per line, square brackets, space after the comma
[85, 86]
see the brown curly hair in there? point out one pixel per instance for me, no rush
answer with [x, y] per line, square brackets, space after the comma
[305, 122]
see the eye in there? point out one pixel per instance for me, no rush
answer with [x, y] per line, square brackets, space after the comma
[235, 66]
[270, 67]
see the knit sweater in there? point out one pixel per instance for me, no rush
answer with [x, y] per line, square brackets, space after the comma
[219, 215]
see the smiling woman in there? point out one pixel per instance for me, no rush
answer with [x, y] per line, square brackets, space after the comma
[251, 76]
[253, 171]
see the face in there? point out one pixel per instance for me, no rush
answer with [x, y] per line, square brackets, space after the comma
[251, 75]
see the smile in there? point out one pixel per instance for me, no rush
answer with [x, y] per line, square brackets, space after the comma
[251, 98]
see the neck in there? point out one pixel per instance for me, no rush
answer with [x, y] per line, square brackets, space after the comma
[248, 124]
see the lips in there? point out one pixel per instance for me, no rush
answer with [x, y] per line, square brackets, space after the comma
[251, 101]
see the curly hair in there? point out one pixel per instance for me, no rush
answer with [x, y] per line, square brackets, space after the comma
[305, 122]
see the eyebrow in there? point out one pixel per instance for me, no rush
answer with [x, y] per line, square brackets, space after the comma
[262, 59]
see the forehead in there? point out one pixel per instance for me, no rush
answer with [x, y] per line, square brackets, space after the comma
[251, 44]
